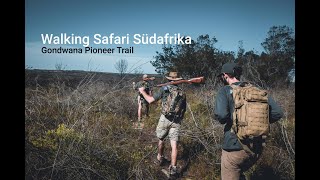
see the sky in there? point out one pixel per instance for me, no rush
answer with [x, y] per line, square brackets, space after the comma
[229, 21]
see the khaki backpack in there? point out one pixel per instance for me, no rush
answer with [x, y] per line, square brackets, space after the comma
[251, 113]
[175, 105]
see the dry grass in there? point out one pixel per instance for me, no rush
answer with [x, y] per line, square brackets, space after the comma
[84, 132]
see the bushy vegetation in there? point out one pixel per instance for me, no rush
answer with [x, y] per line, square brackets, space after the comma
[84, 131]
[272, 68]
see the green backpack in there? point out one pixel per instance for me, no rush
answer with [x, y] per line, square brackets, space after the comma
[174, 106]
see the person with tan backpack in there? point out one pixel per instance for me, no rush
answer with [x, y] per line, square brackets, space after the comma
[247, 112]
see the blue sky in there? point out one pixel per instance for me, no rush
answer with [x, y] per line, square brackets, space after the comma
[228, 20]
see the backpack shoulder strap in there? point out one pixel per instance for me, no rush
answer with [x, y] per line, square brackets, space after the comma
[179, 88]
[171, 87]
[233, 86]
[242, 84]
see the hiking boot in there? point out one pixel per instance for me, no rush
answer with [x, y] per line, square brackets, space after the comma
[173, 171]
[161, 161]
[140, 125]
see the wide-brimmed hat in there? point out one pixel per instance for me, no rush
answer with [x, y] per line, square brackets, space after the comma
[173, 76]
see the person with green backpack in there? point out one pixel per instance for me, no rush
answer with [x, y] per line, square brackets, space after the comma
[247, 112]
[173, 104]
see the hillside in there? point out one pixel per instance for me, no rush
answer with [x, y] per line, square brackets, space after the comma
[73, 77]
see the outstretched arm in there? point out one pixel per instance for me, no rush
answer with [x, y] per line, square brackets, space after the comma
[149, 98]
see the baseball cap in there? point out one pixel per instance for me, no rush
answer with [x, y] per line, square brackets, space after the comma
[228, 68]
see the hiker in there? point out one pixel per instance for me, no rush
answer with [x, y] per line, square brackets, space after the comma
[170, 119]
[142, 103]
[238, 155]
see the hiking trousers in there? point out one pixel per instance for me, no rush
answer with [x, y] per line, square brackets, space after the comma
[234, 163]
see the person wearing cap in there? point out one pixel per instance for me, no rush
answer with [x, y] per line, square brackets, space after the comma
[166, 127]
[234, 159]
[142, 103]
